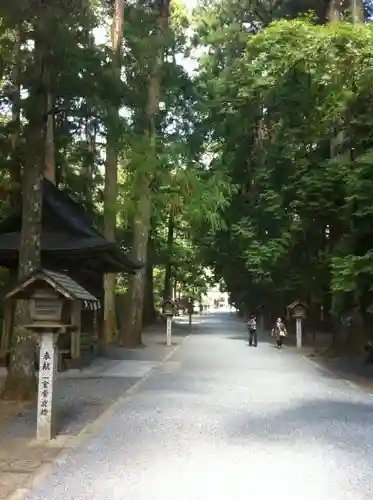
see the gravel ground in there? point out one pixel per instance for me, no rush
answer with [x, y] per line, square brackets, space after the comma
[222, 420]
[83, 395]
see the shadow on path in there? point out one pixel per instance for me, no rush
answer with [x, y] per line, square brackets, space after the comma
[338, 423]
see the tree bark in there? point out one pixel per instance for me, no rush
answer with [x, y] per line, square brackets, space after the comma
[111, 176]
[357, 11]
[90, 137]
[16, 178]
[20, 383]
[132, 328]
[110, 197]
[174, 289]
[50, 164]
[89, 162]
[167, 287]
[334, 11]
[149, 313]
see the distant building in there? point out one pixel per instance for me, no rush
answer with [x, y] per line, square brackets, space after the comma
[215, 299]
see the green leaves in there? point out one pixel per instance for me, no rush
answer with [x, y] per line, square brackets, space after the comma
[285, 107]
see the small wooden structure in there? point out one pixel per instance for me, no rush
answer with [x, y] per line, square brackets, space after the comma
[70, 244]
[168, 308]
[51, 297]
[297, 309]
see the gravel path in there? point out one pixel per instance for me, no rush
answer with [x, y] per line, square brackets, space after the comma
[222, 420]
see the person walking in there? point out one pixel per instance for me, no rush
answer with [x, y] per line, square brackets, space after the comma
[253, 336]
[279, 332]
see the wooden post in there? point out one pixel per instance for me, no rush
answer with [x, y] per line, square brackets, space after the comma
[98, 331]
[46, 416]
[7, 326]
[190, 312]
[76, 317]
[95, 336]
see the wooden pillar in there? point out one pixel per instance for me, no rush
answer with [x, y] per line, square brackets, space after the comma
[6, 330]
[76, 317]
[6, 333]
[96, 329]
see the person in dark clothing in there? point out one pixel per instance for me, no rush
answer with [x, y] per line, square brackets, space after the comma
[253, 336]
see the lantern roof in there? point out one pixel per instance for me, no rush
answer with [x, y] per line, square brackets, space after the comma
[60, 283]
[297, 303]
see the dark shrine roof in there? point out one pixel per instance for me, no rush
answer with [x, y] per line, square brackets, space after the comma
[68, 233]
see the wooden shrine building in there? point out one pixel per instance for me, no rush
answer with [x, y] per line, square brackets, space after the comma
[69, 244]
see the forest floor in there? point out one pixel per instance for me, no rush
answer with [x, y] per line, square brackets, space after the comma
[83, 396]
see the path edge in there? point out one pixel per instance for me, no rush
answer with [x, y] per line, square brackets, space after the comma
[356, 382]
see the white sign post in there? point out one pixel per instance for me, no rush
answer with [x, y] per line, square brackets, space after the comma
[299, 313]
[46, 418]
[168, 311]
[168, 331]
[298, 329]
